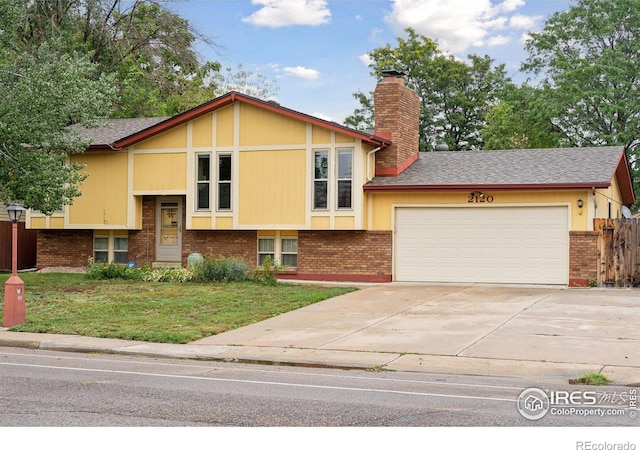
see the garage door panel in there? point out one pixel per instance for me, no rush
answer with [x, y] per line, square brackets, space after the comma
[496, 245]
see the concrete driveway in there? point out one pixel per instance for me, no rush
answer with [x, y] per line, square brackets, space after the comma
[466, 328]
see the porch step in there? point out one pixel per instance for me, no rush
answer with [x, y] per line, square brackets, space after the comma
[166, 264]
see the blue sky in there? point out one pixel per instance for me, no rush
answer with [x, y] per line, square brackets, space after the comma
[316, 50]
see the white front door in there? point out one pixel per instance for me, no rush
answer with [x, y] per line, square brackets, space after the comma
[169, 229]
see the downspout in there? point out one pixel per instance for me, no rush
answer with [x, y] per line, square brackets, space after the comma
[369, 178]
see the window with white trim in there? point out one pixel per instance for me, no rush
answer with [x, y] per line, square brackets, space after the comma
[111, 248]
[321, 179]
[224, 182]
[344, 179]
[101, 249]
[204, 182]
[281, 249]
[121, 249]
[266, 248]
[289, 251]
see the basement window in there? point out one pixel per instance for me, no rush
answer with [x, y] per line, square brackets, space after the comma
[110, 248]
[283, 250]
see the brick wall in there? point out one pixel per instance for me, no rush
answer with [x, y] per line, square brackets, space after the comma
[142, 243]
[64, 248]
[397, 112]
[583, 257]
[228, 244]
[345, 255]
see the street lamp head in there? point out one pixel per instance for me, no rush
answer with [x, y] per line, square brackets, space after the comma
[15, 212]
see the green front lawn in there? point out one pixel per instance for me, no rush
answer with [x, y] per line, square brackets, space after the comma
[155, 311]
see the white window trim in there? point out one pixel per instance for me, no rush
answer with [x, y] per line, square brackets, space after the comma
[229, 182]
[277, 247]
[111, 246]
[210, 181]
[338, 179]
[326, 180]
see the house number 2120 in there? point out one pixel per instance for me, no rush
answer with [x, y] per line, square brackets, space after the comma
[479, 197]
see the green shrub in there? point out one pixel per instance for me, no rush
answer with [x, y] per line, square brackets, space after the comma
[268, 273]
[167, 275]
[220, 270]
[104, 271]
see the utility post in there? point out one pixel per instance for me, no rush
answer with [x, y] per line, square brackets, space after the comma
[14, 299]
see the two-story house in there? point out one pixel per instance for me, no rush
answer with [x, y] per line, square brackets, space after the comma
[241, 177]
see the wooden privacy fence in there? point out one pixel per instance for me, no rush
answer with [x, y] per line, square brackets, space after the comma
[27, 242]
[618, 252]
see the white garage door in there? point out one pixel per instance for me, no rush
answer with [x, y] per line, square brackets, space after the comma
[482, 245]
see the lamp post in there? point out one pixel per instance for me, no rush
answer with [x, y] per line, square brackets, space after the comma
[14, 309]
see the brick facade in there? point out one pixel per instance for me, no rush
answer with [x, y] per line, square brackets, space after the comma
[64, 248]
[583, 257]
[227, 244]
[142, 243]
[344, 255]
[397, 115]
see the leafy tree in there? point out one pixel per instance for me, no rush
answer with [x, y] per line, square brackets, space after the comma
[588, 56]
[148, 48]
[455, 96]
[43, 93]
[362, 118]
[521, 120]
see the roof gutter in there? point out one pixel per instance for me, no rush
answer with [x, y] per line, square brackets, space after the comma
[375, 150]
[493, 187]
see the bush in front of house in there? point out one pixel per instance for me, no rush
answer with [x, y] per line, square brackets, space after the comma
[217, 270]
[110, 271]
[209, 270]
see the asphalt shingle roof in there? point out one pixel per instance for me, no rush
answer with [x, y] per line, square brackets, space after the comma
[504, 167]
[112, 130]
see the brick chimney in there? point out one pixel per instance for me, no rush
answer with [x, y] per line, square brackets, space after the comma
[397, 118]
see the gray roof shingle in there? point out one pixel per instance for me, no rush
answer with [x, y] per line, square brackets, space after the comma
[561, 166]
[112, 130]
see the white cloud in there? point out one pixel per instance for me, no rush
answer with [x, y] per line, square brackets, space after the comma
[366, 59]
[282, 13]
[498, 40]
[302, 72]
[457, 24]
[322, 116]
[523, 22]
[511, 5]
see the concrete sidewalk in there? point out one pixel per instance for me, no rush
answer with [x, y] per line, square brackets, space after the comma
[540, 333]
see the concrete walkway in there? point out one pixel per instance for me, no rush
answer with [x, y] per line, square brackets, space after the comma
[536, 332]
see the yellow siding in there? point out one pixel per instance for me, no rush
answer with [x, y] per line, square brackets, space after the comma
[263, 127]
[201, 223]
[344, 139]
[138, 213]
[272, 187]
[104, 192]
[382, 209]
[224, 223]
[56, 222]
[159, 171]
[320, 223]
[602, 198]
[344, 223]
[201, 132]
[38, 222]
[174, 138]
[320, 135]
[224, 127]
